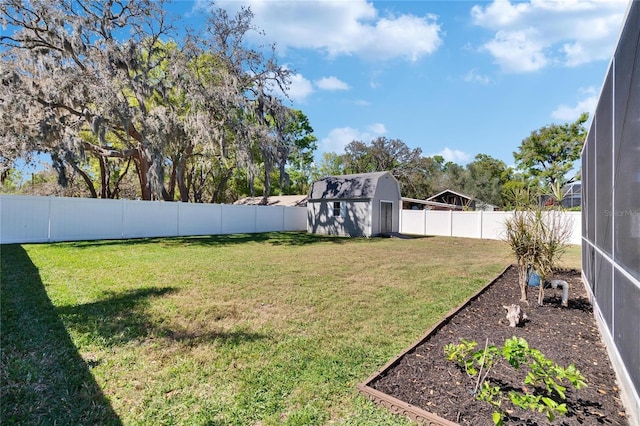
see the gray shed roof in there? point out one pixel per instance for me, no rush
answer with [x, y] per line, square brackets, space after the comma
[355, 186]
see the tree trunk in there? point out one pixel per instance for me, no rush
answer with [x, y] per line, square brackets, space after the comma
[104, 177]
[142, 165]
[116, 186]
[172, 180]
[181, 170]
[142, 169]
[221, 185]
[86, 179]
[522, 279]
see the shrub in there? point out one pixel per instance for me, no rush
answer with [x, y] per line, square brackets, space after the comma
[545, 392]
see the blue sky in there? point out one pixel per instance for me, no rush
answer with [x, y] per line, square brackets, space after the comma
[454, 78]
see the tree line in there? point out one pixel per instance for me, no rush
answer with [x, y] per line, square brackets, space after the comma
[126, 108]
[110, 92]
[544, 165]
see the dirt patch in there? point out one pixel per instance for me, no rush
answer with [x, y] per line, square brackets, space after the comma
[568, 335]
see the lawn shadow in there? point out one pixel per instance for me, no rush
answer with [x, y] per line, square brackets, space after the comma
[121, 318]
[228, 338]
[44, 378]
[117, 319]
[293, 238]
[274, 238]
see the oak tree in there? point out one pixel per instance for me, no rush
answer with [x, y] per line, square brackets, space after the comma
[547, 155]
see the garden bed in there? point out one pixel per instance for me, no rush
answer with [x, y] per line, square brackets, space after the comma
[421, 384]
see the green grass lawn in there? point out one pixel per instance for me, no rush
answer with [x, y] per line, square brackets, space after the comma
[257, 329]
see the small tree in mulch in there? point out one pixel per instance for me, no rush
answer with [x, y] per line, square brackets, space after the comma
[543, 389]
[554, 231]
[538, 237]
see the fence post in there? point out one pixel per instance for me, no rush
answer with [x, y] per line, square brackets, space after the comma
[49, 220]
[122, 213]
[451, 223]
[424, 221]
[284, 218]
[255, 218]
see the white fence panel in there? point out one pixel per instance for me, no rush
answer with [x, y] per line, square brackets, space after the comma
[466, 224]
[149, 219]
[437, 223]
[576, 235]
[493, 224]
[414, 220]
[478, 224]
[199, 219]
[238, 219]
[269, 218]
[24, 219]
[295, 218]
[74, 219]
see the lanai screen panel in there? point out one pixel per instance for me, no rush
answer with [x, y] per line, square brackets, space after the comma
[611, 200]
[627, 148]
[604, 160]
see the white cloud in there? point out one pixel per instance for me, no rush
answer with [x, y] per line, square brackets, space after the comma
[474, 76]
[299, 88]
[338, 138]
[531, 35]
[571, 113]
[336, 28]
[377, 129]
[331, 83]
[453, 155]
[517, 51]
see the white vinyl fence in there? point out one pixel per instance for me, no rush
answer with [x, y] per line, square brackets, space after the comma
[474, 224]
[28, 219]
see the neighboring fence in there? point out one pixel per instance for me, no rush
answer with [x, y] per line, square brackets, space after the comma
[28, 219]
[474, 224]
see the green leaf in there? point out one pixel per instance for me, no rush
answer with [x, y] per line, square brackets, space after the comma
[497, 418]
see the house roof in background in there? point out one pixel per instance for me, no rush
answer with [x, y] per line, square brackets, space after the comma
[355, 186]
[280, 200]
[478, 203]
[432, 203]
[452, 192]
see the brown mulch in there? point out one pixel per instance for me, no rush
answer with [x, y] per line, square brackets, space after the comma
[568, 335]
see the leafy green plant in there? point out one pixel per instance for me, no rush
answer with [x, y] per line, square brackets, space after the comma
[545, 392]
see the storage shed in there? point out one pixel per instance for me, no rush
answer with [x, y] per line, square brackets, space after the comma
[357, 205]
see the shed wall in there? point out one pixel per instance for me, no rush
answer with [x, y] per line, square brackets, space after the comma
[387, 190]
[355, 219]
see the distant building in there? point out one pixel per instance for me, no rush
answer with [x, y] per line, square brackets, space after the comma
[415, 204]
[461, 201]
[276, 200]
[572, 195]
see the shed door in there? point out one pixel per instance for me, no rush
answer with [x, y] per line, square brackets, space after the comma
[386, 217]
